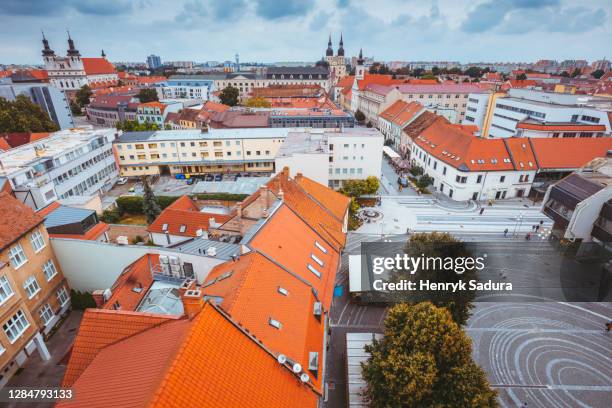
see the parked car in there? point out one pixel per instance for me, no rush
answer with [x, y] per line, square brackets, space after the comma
[403, 181]
[190, 181]
[209, 177]
[122, 180]
[218, 177]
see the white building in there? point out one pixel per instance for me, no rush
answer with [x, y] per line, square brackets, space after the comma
[500, 116]
[331, 157]
[51, 100]
[75, 162]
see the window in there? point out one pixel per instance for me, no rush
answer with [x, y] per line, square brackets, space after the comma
[444, 171]
[49, 270]
[275, 323]
[5, 289]
[182, 228]
[314, 270]
[165, 227]
[17, 256]
[283, 291]
[16, 326]
[37, 240]
[46, 314]
[31, 286]
[316, 259]
[479, 179]
[502, 179]
[62, 296]
[321, 247]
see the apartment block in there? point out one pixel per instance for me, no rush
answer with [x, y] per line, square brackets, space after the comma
[198, 151]
[74, 162]
[33, 292]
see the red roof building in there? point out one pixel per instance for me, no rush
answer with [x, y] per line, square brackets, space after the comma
[98, 66]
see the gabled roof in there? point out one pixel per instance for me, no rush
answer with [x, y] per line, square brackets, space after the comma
[177, 363]
[183, 218]
[154, 104]
[378, 79]
[249, 290]
[98, 66]
[401, 112]
[215, 107]
[16, 219]
[291, 242]
[137, 276]
[334, 201]
[422, 122]
[312, 211]
[568, 153]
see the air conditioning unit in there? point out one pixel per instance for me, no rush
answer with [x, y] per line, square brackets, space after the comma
[318, 309]
[211, 251]
[165, 269]
[163, 259]
[174, 260]
[175, 268]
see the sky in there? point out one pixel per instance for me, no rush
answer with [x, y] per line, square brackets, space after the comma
[297, 30]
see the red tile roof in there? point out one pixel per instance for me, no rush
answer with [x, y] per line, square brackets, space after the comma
[178, 364]
[402, 112]
[378, 79]
[136, 275]
[251, 296]
[183, 212]
[97, 66]
[568, 153]
[334, 201]
[215, 107]
[16, 139]
[16, 219]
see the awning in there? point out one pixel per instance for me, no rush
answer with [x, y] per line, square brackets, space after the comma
[390, 152]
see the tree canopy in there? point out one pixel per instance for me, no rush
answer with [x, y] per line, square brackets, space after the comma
[424, 360]
[82, 96]
[258, 102]
[597, 73]
[359, 116]
[134, 126]
[150, 207]
[147, 95]
[229, 96]
[23, 115]
[357, 188]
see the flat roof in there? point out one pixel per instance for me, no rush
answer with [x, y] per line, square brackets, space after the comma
[242, 185]
[198, 246]
[196, 134]
[355, 355]
[63, 215]
[162, 298]
[57, 143]
[303, 142]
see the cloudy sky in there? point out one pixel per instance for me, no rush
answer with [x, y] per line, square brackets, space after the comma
[297, 30]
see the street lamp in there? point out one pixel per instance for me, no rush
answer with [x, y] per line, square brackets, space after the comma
[518, 223]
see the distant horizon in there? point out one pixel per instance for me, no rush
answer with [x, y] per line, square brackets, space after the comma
[508, 31]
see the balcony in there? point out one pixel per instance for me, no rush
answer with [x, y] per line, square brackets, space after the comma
[601, 234]
[561, 222]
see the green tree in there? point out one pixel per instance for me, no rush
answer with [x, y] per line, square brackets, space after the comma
[442, 245]
[565, 74]
[75, 108]
[134, 126]
[577, 72]
[150, 207]
[598, 73]
[429, 76]
[147, 95]
[23, 115]
[359, 116]
[474, 72]
[424, 360]
[416, 170]
[358, 188]
[258, 102]
[229, 96]
[424, 181]
[521, 77]
[83, 96]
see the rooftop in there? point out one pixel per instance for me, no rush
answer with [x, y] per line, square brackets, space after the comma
[196, 134]
[16, 219]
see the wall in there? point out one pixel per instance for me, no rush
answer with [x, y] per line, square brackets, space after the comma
[315, 166]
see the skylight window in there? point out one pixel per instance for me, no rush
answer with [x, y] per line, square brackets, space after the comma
[314, 270]
[182, 228]
[316, 259]
[165, 227]
[275, 323]
[321, 247]
[283, 291]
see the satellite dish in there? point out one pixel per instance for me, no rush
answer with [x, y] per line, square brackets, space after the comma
[281, 359]
[305, 378]
[297, 368]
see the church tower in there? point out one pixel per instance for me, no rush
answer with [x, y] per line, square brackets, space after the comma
[360, 69]
[47, 53]
[337, 65]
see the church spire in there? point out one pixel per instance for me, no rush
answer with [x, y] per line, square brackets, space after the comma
[341, 47]
[360, 59]
[72, 52]
[330, 51]
[103, 54]
[47, 51]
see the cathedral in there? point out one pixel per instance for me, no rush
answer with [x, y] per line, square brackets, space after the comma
[71, 72]
[337, 64]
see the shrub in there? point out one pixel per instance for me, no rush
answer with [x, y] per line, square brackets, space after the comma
[221, 196]
[81, 300]
[424, 181]
[111, 216]
[416, 170]
[133, 204]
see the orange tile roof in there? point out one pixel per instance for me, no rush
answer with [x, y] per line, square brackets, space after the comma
[516, 83]
[250, 295]
[215, 107]
[346, 81]
[154, 104]
[334, 201]
[16, 219]
[568, 153]
[309, 209]
[290, 241]
[560, 127]
[178, 364]
[184, 212]
[378, 79]
[4, 144]
[100, 328]
[97, 66]
[136, 275]
[401, 112]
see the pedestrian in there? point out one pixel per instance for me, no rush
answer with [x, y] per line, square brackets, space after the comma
[541, 222]
[537, 227]
[524, 405]
[481, 210]
[533, 227]
[609, 326]
[505, 232]
[528, 236]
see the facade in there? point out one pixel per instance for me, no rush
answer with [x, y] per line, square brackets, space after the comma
[107, 110]
[156, 112]
[154, 61]
[50, 99]
[499, 115]
[581, 204]
[332, 157]
[72, 72]
[314, 118]
[33, 292]
[198, 151]
[68, 163]
[393, 120]
[188, 86]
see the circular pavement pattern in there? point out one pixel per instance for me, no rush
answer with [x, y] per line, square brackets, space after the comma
[545, 354]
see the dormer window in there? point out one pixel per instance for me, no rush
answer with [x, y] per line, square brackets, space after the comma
[275, 323]
[182, 228]
[321, 247]
[165, 227]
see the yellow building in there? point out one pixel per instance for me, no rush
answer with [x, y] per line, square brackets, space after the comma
[33, 292]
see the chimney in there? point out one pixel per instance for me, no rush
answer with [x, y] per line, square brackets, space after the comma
[193, 302]
[286, 171]
[188, 284]
[298, 177]
[98, 296]
[212, 223]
